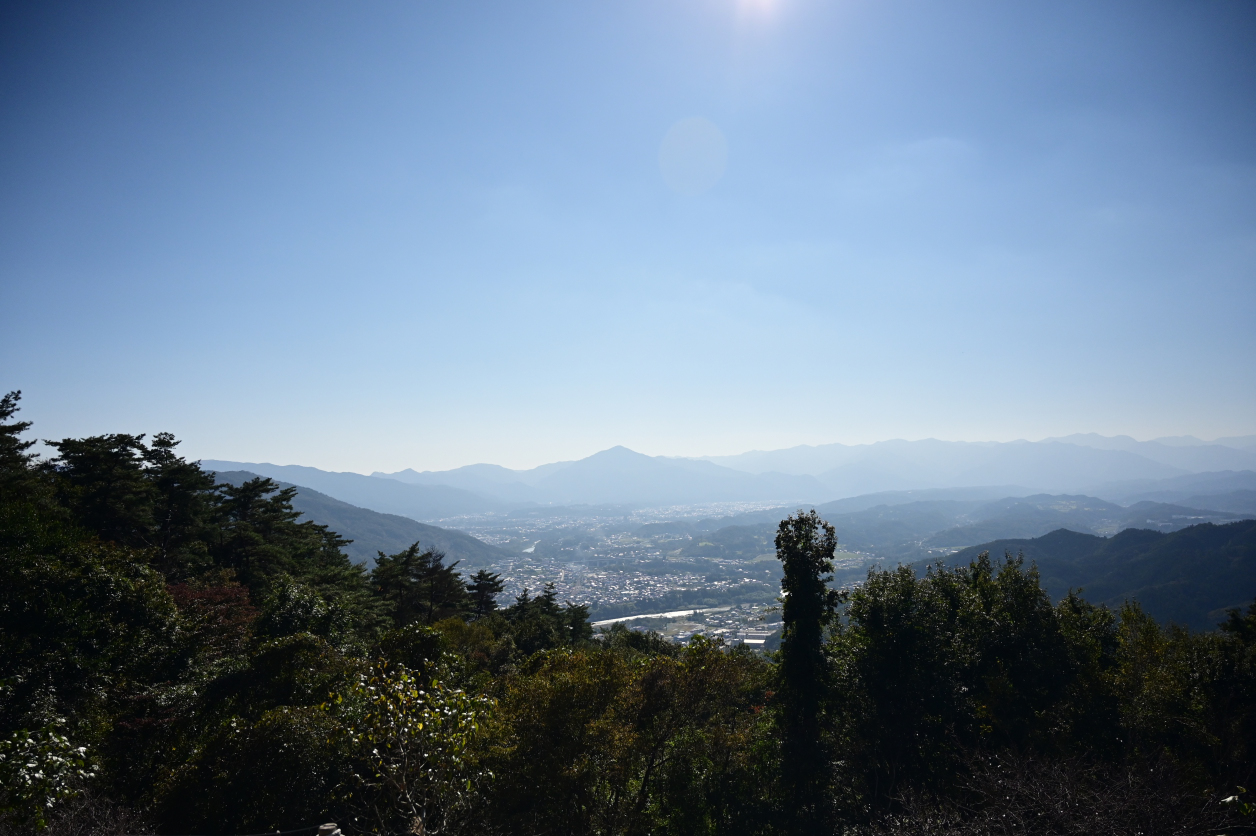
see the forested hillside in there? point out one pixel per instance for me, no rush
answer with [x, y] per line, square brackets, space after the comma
[1190, 577]
[372, 532]
[182, 656]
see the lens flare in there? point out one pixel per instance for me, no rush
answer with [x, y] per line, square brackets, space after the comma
[692, 156]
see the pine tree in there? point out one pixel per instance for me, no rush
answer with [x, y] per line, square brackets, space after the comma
[15, 462]
[419, 586]
[182, 506]
[101, 481]
[484, 587]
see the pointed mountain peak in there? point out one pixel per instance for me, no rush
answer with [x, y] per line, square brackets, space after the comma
[618, 452]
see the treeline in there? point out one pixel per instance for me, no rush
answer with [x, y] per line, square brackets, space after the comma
[178, 656]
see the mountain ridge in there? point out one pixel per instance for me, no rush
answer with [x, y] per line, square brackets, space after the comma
[387, 496]
[1113, 468]
[618, 475]
[1190, 577]
[373, 532]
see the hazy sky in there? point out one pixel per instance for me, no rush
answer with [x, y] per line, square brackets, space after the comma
[381, 235]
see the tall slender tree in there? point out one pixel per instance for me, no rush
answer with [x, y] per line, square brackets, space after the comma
[182, 507]
[26, 496]
[16, 463]
[805, 545]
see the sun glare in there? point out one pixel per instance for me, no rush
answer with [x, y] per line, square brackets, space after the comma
[756, 8]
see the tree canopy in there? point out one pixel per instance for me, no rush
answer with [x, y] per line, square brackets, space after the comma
[181, 656]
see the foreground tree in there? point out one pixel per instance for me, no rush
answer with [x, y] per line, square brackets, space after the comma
[930, 669]
[414, 740]
[418, 586]
[484, 587]
[16, 462]
[805, 545]
[615, 740]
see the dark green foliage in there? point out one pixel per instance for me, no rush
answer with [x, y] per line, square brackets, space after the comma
[182, 507]
[256, 775]
[1190, 577]
[805, 545]
[102, 483]
[540, 623]
[297, 569]
[484, 587]
[1190, 697]
[80, 622]
[190, 654]
[599, 741]
[172, 627]
[16, 464]
[1240, 626]
[372, 531]
[417, 586]
[259, 537]
[295, 608]
[933, 673]
[138, 496]
[934, 667]
[648, 643]
[415, 646]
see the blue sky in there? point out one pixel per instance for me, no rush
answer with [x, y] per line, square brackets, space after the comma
[371, 235]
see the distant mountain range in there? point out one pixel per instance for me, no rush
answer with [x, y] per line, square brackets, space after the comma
[387, 496]
[1228, 485]
[619, 475]
[1117, 469]
[915, 529]
[1167, 555]
[1077, 463]
[1190, 577]
[615, 476]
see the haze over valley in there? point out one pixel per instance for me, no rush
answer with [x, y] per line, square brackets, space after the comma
[629, 534]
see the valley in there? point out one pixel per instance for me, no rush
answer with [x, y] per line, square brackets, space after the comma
[637, 555]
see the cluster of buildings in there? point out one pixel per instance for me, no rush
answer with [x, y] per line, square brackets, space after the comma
[610, 564]
[754, 625]
[595, 586]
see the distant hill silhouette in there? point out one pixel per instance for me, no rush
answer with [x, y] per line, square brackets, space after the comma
[623, 476]
[1237, 502]
[1183, 489]
[1033, 516]
[1189, 577]
[1186, 452]
[893, 525]
[387, 496]
[372, 532]
[889, 472]
[1074, 464]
